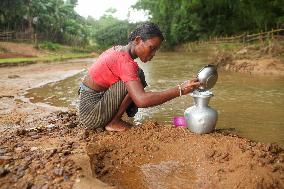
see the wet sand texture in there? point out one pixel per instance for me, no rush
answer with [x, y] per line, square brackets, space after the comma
[162, 156]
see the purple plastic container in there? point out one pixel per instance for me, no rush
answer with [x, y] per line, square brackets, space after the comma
[179, 121]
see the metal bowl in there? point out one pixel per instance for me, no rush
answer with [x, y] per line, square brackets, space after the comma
[207, 76]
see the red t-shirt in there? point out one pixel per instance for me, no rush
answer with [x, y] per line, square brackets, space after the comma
[112, 66]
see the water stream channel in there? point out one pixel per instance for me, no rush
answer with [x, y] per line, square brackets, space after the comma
[251, 106]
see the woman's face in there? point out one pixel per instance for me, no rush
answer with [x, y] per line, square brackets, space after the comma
[146, 50]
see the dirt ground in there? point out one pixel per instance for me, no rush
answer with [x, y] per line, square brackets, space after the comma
[162, 156]
[13, 50]
[27, 136]
[46, 147]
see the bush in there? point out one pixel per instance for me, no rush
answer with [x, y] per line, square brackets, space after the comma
[115, 33]
[50, 46]
[87, 49]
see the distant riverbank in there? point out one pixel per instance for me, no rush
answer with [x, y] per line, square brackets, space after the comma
[257, 58]
[16, 54]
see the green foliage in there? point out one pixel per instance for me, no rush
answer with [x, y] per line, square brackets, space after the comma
[181, 21]
[87, 49]
[56, 20]
[229, 46]
[108, 31]
[114, 33]
[49, 46]
[185, 20]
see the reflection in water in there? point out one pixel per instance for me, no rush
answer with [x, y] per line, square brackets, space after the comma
[253, 105]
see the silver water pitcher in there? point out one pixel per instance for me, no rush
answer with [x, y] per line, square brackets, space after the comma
[201, 118]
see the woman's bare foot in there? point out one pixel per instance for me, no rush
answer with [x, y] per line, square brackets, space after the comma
[119, 125]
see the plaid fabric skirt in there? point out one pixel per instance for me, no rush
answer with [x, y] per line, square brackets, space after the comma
[96, 109]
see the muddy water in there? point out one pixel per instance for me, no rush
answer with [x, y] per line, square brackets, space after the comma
[251, 106]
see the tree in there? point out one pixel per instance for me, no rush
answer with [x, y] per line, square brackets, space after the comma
[111, 31]
[189, 20]
[54, 19]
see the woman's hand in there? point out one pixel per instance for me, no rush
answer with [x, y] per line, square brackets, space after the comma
[144, 99]
[189, 86]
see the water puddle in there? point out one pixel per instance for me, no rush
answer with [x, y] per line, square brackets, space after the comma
[168, 175]
[59, 94]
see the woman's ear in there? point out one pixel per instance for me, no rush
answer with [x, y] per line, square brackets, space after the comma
[137, 40]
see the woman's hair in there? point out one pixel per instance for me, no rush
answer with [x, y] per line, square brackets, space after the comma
[146, 31]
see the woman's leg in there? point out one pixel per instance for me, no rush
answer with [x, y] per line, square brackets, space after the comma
[128, 106]
[96, 110]
[116, 124]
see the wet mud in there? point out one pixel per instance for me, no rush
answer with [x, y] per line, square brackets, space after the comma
[163, 156]
[40, 157]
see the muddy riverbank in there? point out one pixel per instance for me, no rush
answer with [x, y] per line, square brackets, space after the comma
[43, 147]
[258, 59]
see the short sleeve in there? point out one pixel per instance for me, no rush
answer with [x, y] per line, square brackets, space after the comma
[128, 70]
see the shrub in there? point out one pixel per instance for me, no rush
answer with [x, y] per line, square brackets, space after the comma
[50, 46]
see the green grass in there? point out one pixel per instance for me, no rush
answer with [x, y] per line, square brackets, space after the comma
[45, 58]
[229, 46]
[49, 46]
[211, 46]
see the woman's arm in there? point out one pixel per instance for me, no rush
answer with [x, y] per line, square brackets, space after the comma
[144, 99]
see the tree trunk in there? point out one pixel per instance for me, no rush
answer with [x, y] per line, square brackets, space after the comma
[30, 21]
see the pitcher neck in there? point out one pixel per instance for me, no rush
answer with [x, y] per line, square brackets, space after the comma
[201, 101]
